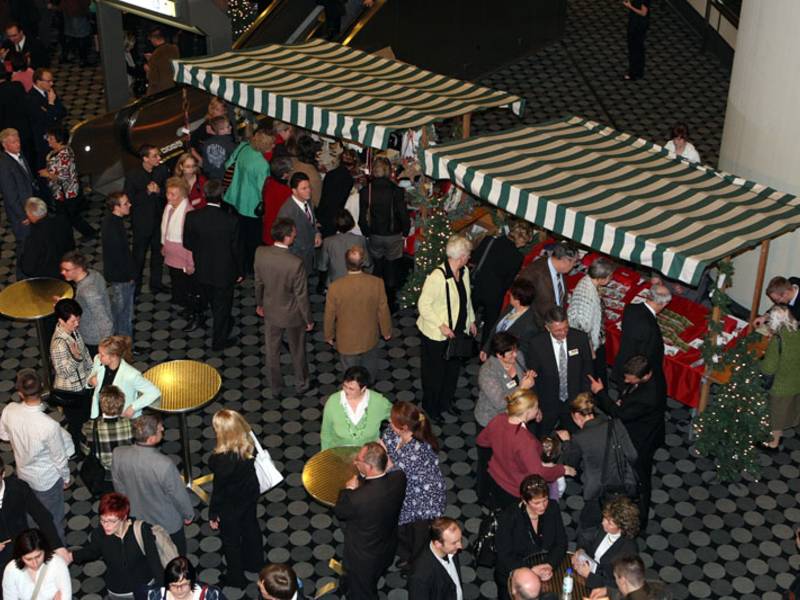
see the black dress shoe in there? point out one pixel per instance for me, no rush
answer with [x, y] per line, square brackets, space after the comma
[231, 341]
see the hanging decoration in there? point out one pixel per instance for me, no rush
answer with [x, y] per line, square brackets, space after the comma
[242, 14]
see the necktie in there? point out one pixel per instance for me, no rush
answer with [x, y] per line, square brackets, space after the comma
[562, 371]
[560, 290]
[308, 213]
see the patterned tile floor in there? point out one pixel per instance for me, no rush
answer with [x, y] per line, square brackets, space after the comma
[707, 540]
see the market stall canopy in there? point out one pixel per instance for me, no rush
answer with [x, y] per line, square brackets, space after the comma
[337, 90]
[616, 193]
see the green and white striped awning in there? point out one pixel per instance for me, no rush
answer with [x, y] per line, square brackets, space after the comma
[336, 90]
[617, 194]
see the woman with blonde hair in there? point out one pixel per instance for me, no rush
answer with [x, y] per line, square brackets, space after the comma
[781, 360]
[112, 367]
[516, 453]
[234, 499]
[188, 169]
[445, 313]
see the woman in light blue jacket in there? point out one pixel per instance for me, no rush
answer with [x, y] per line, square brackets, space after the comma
[111, 368]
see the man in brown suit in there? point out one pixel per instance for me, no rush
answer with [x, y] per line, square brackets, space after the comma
[159, 65]
[547, 276]
[282, 299]
[356, 312]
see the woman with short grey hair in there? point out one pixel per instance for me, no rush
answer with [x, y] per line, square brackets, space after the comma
[585, 311]
[445, 314]
[781, 360]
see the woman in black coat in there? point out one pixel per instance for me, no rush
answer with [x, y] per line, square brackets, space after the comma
[529, 534]
[234, 499]
[336, 188]
[617, 539]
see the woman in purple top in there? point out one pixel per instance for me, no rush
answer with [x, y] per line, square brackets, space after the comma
[413, 448]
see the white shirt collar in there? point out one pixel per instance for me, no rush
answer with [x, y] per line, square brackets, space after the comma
[40, 90]
[300, 204]
[450, 566]
[651, 309]
[279, 245]
[356, 415]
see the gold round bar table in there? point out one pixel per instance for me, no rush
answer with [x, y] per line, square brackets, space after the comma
[326, 473]
[33, 300]
[185, 385]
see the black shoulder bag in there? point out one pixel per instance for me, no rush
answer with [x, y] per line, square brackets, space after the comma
[624, 481]
[462, 345]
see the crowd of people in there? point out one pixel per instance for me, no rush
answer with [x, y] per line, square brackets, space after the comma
[264, 207]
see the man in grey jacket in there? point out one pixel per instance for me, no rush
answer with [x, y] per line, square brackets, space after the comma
[298, 208]
[91, 293]
[151, 481]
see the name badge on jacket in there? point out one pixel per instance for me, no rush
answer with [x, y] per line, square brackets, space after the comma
[573, 352]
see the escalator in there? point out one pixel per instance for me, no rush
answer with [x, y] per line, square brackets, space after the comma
[459, 38]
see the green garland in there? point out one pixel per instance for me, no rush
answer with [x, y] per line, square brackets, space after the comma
[736, 420]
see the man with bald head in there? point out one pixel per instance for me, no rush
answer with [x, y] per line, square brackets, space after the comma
[357, 314]
[524, 584]
[642, 335]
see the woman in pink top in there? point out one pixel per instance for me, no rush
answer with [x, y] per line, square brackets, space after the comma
[20, 70]
[179, 260]
[516, 453]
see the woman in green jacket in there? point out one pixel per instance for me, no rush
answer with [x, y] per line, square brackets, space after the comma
[245, 190]
[353, 416]
[781, 360]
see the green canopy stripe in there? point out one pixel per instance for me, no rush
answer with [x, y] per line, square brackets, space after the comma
[617, 194]
[337, 90]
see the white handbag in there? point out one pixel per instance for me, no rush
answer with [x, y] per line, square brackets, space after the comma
[268, 475]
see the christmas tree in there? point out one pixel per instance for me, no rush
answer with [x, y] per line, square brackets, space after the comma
[435, 230]
[736, 420]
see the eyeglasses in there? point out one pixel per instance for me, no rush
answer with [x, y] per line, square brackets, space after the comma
[47, 80]
[109, 520]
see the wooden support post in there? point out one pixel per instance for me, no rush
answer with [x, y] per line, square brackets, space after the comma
[466, 125]
[705, 391]
[762, 267]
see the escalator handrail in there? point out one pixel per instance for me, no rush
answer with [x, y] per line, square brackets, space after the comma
[361, 22]
[242, 40]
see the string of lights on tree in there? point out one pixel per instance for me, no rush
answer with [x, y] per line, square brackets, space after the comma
[242, 13]
[736, 420]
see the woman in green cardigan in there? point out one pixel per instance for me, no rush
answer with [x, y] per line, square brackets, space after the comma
[781, 360]
[353, 416]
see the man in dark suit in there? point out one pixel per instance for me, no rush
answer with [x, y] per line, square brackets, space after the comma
[212, 235]
[298, 208]
[45, 111]
[642, 335]
[28, 46]
[49, 239]
[547, 276]
[17, 185]
[436, 573]
[145, 187]
[368, 509]
[14, 111]
[783, 290]
[281, 287]
[562, 358]
[18, 504]
[641, 407]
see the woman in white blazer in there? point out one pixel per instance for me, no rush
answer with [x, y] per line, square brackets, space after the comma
[111, 368]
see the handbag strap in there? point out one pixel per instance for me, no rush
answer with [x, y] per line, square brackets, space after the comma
[447, 293]
[609, 435]
[256, 443]
[483, 258]
[40, 580]
[95, 439]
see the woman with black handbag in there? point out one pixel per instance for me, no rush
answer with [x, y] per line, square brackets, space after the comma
[72, 364]
[447, 324]
[604, 453]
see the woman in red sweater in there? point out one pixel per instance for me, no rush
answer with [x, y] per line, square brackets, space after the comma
[516, 453]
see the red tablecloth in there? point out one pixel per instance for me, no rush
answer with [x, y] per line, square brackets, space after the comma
[683, 380]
